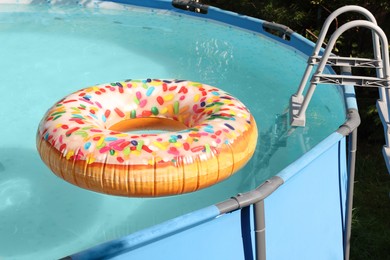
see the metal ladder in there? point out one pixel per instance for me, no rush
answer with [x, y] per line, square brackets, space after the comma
[299, 102]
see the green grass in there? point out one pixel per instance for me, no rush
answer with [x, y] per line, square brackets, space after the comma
[371, 214]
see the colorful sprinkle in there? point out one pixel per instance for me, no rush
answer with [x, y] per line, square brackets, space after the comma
[69, 132]
[62, 147]
[139, 145]
[138, 95]
[142, 103]
[176, 105]
[87, 145]
[229, 126]
[174, 151]
[110, 138]
[154, 111]
[98, 104]
[160, 100]
[103, 149]
[146, 113]
[126, 151]
[207, 148]
[197, 149]
[119, 112]
[150, 91]
[146, 149]
[133, 114]
[168, 97]
[183, 90]
[209, 130]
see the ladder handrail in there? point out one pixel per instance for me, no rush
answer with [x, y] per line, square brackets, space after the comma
[321, 66]
[334, 15]
[323, 33]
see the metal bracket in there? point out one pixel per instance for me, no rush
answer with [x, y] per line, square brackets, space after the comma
[191, 5]
[295, 107]
[279, 30]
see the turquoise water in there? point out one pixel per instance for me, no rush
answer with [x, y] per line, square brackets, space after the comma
[47, 53]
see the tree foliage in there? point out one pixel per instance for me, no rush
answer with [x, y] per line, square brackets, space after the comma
[307, 16]
[300, 15]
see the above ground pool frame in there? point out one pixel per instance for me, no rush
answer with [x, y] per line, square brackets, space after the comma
[320, 57]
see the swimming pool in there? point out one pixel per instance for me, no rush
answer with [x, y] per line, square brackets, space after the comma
[51, 50]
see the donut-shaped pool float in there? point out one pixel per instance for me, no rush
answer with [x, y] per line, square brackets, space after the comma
[104, 138]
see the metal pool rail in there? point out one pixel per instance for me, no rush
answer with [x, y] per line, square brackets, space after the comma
[248, 215]
[294, 200]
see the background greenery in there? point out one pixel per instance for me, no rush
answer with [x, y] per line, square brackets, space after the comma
[371, 215]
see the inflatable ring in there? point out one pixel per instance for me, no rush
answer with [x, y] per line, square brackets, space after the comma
[92, 137]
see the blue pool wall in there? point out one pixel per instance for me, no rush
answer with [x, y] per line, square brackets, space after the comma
[304, 220]
[304, 217]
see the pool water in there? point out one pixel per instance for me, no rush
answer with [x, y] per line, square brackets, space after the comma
[49, 52]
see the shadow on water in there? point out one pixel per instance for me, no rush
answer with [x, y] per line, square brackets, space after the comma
[37, 210]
